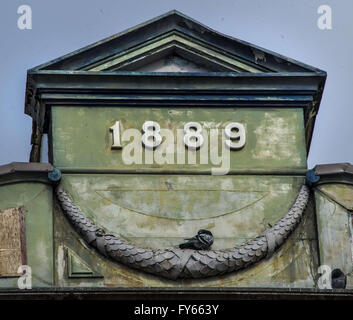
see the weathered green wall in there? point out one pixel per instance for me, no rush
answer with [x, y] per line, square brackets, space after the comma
[35, 194]
[334, 221]
[275, 136]
[160, 210]
[252, 203]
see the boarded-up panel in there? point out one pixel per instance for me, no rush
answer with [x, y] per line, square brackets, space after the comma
[12, 241]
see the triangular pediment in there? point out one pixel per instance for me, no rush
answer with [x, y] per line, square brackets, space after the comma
[172, 52]
[174, 42]
[172, 63]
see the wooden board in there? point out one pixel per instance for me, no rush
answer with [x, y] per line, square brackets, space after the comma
[12, 241]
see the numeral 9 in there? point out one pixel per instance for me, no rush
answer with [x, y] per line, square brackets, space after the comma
[235, 134]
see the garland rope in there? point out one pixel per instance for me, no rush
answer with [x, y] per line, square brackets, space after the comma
[185, 263]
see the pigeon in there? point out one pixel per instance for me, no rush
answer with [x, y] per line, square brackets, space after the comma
[202, 241]
[338, 279]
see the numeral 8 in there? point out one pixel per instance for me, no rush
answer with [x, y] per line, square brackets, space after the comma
[193, 139]
[151, 137]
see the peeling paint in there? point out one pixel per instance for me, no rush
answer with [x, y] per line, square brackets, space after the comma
[275, 136]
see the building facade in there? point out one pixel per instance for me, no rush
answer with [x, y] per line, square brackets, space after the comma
[160, 131]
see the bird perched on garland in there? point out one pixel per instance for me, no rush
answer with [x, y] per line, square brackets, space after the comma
[338, 279]
[202, 241]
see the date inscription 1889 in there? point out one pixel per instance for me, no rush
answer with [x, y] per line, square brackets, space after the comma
[193, 139]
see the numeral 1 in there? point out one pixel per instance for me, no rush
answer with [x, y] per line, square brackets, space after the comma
[116, 135]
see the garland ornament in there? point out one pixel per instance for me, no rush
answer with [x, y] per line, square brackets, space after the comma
[175, 263]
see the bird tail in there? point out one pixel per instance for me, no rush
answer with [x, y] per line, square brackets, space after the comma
[193, 238]
[185, 245]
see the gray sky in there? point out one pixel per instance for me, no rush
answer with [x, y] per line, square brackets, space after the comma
[283, 26]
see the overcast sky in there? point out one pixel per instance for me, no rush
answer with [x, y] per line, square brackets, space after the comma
[284, 26]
